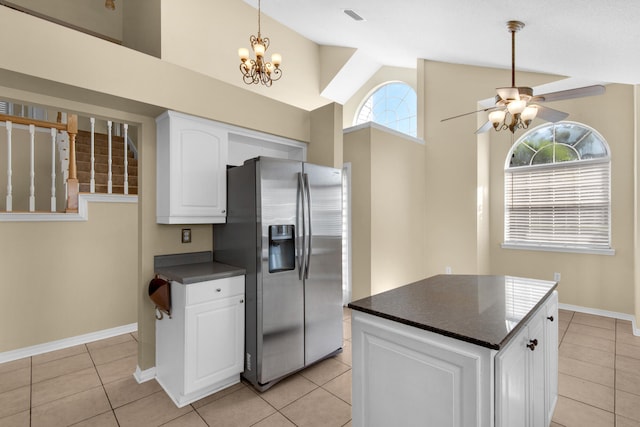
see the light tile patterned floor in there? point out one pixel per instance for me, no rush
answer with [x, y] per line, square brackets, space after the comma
[92, 385]
[599, 372]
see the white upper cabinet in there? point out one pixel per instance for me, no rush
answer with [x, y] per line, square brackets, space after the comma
[192, 158]
[191, 170]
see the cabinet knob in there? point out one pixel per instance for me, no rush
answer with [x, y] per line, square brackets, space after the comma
[532, 344]
[241, 301]
[218, 290]
[550, 318]
[224, 210]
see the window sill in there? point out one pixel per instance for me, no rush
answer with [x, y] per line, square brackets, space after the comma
[558, 249]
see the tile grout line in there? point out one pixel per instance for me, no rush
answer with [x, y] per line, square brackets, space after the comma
[30, 389]
[614, 390]
[615, 374]
[104, 390]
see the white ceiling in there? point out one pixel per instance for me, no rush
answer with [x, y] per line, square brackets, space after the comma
[591, 40]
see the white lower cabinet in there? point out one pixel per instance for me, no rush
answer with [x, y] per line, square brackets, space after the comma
[412, 377]
[551, 355]
[200, 349]
[527, 372]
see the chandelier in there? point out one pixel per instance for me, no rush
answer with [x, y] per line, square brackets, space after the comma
[257, 70]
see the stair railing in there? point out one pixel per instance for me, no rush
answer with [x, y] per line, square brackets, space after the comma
[127, 146]
[71, 127]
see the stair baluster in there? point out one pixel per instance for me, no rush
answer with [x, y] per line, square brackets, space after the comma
[53, 169]
[9, 201]
[92, 182]
[126, 159]
[110, 160]
[32, 171]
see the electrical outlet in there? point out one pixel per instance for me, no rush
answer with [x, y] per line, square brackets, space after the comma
[556, 277]
[186, 235]
[447, 270]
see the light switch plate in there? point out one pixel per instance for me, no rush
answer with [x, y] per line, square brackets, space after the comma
[186, 235]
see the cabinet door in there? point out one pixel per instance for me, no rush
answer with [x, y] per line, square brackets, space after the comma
[214, 335]
[512, 397]
[198, 169]
[551, 353]
[537, 378]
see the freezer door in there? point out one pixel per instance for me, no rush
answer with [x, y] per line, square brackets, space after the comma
[323, 283]
[280, 292]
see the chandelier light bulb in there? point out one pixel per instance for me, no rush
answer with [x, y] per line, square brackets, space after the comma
[276, 59]
[243, 53]
[259, 49]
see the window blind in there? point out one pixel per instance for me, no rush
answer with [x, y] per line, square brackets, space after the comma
[559, 205]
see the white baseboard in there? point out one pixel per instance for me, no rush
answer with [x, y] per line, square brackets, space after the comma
[144, 376]
[605, 313]
[34, 350]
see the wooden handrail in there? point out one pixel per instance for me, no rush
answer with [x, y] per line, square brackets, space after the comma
[38, 123]
[71, 127]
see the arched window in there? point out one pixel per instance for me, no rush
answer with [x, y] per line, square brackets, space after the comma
[392, 105]
[557, 190]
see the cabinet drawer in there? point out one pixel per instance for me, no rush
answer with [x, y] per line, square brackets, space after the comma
[214, 289]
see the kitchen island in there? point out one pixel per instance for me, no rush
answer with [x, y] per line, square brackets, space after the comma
[456, 350]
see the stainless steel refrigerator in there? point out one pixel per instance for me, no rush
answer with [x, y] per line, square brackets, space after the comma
[284, 226]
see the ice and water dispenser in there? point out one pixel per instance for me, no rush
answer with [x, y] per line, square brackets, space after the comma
[282, 248]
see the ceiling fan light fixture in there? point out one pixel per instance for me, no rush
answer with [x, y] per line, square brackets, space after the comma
[512, 110]
[529, 113]
[497, 116]
[516, 107]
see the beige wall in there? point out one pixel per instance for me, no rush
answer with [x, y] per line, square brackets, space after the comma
[66, 279]
[460, 166]
[596, 281]
[451, 162]
[326, 142]
[87, 14]
[150, 83]
[216, 31]
[388, 209]
[141, 26]
[135, 93]
[357, 151]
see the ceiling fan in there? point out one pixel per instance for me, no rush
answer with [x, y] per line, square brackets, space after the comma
[516, 106]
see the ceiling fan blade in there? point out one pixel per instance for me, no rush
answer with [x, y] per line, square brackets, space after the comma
[466, 114]
[570, 93]
[511, 93]
[485, 127]
[550, 115]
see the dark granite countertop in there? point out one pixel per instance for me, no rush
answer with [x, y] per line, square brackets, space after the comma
[193, 267]
[483, 310]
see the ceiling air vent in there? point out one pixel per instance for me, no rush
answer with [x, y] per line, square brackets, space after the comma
[353, 15]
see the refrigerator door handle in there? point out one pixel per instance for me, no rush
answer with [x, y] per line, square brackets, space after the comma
[300, 218]
[308, 229]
